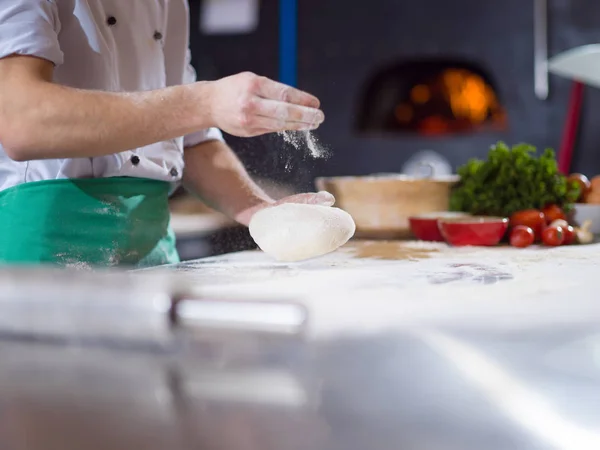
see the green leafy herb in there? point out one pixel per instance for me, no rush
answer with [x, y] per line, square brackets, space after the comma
[512, 180]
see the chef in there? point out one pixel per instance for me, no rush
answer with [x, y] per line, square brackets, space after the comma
[101, 118]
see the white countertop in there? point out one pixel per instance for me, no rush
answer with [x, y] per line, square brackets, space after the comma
[369, 285]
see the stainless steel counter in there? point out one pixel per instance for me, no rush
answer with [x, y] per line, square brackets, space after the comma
[106, 362]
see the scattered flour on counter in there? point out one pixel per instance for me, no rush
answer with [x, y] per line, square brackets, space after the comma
[355, 295]
[424, 245]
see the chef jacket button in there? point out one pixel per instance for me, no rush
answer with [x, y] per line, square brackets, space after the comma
[112, 20]
[135, 160]
[174, 172]
[158, 36]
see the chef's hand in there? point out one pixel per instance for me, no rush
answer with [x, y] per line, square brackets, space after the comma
[312, 198]
[250, 105]
[322, 198]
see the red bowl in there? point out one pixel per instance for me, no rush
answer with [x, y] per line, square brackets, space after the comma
[474, 230]
[425, 226]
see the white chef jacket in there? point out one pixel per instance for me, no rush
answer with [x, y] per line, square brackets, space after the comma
[110, 45]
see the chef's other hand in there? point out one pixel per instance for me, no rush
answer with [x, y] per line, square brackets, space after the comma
[250, 105]
[322, 198]
[312, 198]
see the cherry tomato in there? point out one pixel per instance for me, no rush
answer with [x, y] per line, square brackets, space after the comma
[585, 186]
[570, 235]
[552, 213]
[521, 236]
[553, 236]
[531, 218]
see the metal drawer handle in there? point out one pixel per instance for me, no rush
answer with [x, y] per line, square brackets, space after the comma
[288, 318]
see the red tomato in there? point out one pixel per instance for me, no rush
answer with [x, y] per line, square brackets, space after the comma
[552, 213]
[521, 236]
[553, 236]
[585, 186]
[531, 218]
[570, 235]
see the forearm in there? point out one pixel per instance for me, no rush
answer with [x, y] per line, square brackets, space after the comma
[215, 174]
[46, 120]
[42, 120]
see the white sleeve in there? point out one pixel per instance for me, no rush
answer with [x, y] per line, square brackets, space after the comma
[209, 134]
[30, 27]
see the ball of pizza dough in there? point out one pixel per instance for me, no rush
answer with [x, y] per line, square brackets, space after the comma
[295, 231]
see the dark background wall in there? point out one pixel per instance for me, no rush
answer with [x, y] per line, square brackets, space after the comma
[342, 43]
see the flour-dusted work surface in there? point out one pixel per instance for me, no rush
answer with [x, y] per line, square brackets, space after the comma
[411, 346]
[372, 285]
[424, 346]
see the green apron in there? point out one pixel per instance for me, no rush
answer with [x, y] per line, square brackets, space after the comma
[87, 222]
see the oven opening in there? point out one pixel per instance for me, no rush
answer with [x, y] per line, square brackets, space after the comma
[431, 98]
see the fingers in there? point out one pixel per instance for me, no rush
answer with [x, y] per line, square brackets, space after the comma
[266, 106]
[319, 198]
[286, 112]
[263, 125]
[269, 116]
[273, 90]
[323, 198]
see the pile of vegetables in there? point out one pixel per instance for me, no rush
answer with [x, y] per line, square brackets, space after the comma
[515, 183]
[511, 180]
[531, 225]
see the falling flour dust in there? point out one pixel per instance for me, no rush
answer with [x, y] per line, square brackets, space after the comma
[305, 139]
